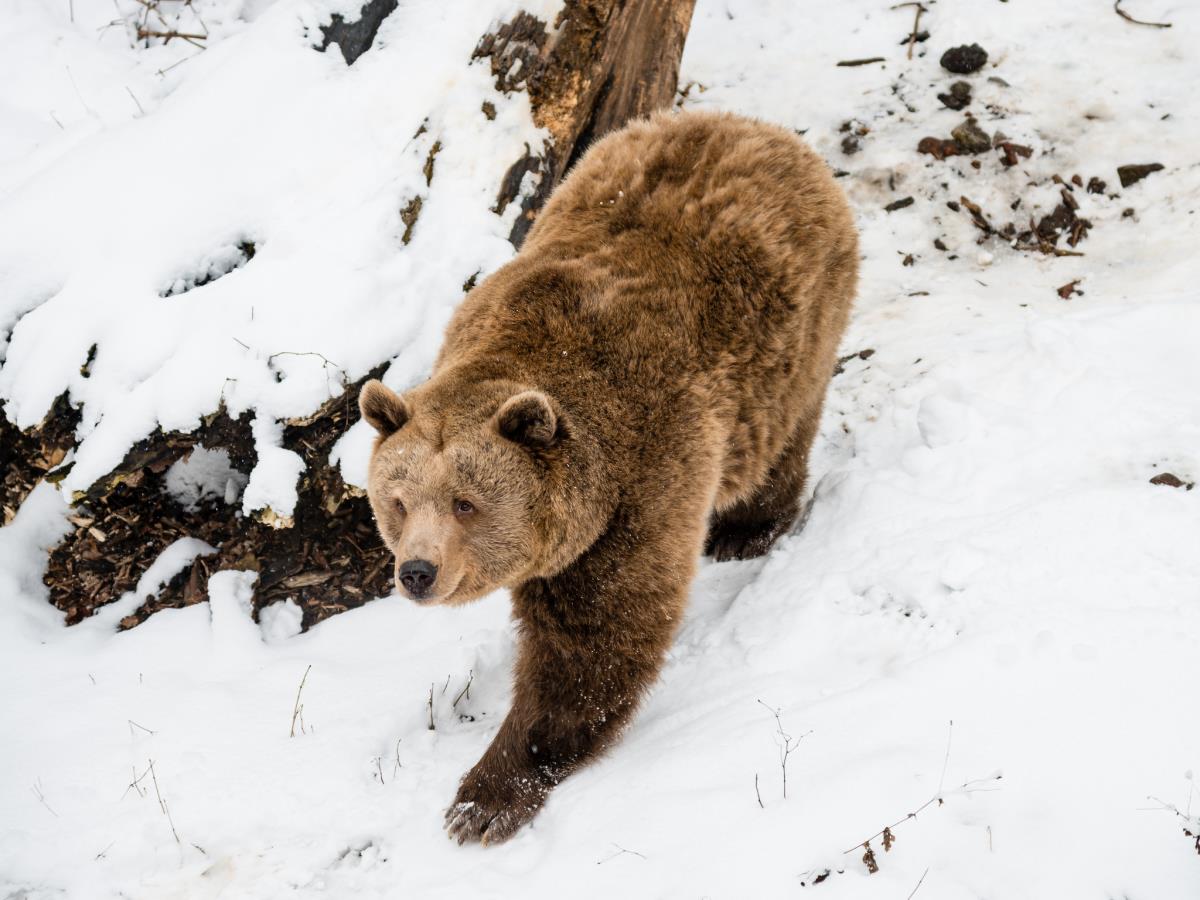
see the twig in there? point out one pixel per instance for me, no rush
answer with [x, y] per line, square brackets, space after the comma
[758, 793]
[847, 63]
[398, 766]
[430, 703]
[135, 100]
[946, 761]
[100, 855]
[136, 783]
[298, 708]
[133, 725]
[786, 746]
[167, 35]
[938, 798]
[912, 38]
[1128, 18]
[379, 766]
[36, 787]
[466, 690]
[922, 878]
[162, 804]
[620, 851]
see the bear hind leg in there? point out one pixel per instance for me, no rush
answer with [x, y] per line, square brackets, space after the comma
[750, 527]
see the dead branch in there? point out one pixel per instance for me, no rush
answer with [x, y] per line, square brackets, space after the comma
[919, 881]
[888, 831]
[162, 804]
[912, 38]
[787, 744]
[298, 707]
[1128, 18]
[466, 689]
[849, 63]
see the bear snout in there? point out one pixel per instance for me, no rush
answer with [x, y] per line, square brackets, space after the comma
[418, 576]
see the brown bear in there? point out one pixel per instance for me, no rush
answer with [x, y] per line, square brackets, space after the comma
[641, 383]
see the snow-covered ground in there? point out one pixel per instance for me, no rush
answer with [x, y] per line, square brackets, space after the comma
[983, 547]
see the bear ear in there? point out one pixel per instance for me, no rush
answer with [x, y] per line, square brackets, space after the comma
[382, 407]
[529, 419]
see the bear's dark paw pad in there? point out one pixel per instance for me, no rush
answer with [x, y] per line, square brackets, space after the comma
[491, 817]
[728, 540]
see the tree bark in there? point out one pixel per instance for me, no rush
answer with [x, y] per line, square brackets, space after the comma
[602, 63]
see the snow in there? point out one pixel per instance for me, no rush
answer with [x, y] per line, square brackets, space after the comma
[204, 475]
[983, 546]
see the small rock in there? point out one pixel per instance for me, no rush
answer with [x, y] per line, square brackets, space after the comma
[1167, 479]
[898, 204]
[965, 59]
[971, 138]
[1133, 174]
[959, 96]
[1096, 186]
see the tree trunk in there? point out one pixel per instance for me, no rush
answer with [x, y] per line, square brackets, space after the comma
[603, 63]
[606, 62]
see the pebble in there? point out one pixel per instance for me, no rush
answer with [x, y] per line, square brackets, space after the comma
[971, 138]
[959, 96]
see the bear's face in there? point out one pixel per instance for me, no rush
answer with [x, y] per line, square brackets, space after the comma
[456, 487]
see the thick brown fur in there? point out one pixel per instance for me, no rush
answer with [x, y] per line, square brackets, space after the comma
[641, 383]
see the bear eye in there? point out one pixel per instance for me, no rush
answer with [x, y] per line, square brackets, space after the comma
[463, 507]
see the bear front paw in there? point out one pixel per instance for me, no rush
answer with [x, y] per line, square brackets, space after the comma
[744, 540]
[491, 810]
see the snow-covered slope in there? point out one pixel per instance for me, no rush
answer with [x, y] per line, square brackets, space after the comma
[983, 546]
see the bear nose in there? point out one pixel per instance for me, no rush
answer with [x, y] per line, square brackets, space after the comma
[417, 576]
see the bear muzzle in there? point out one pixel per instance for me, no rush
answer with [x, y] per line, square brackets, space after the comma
[418, 577]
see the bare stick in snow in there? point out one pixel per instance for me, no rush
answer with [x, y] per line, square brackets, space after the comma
[919, 880]
[136, 783]
[466, 691]
[162, 804]
[620, 850]
[36, 787]
[787, 744]
[887, 832]
[912, 38]
[133, 725]
[946, 761]
[757, 792]
[298, 707]
[1128, 18]
[430, 704]
[135, 100]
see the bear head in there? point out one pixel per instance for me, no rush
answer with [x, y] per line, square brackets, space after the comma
[467, 483]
